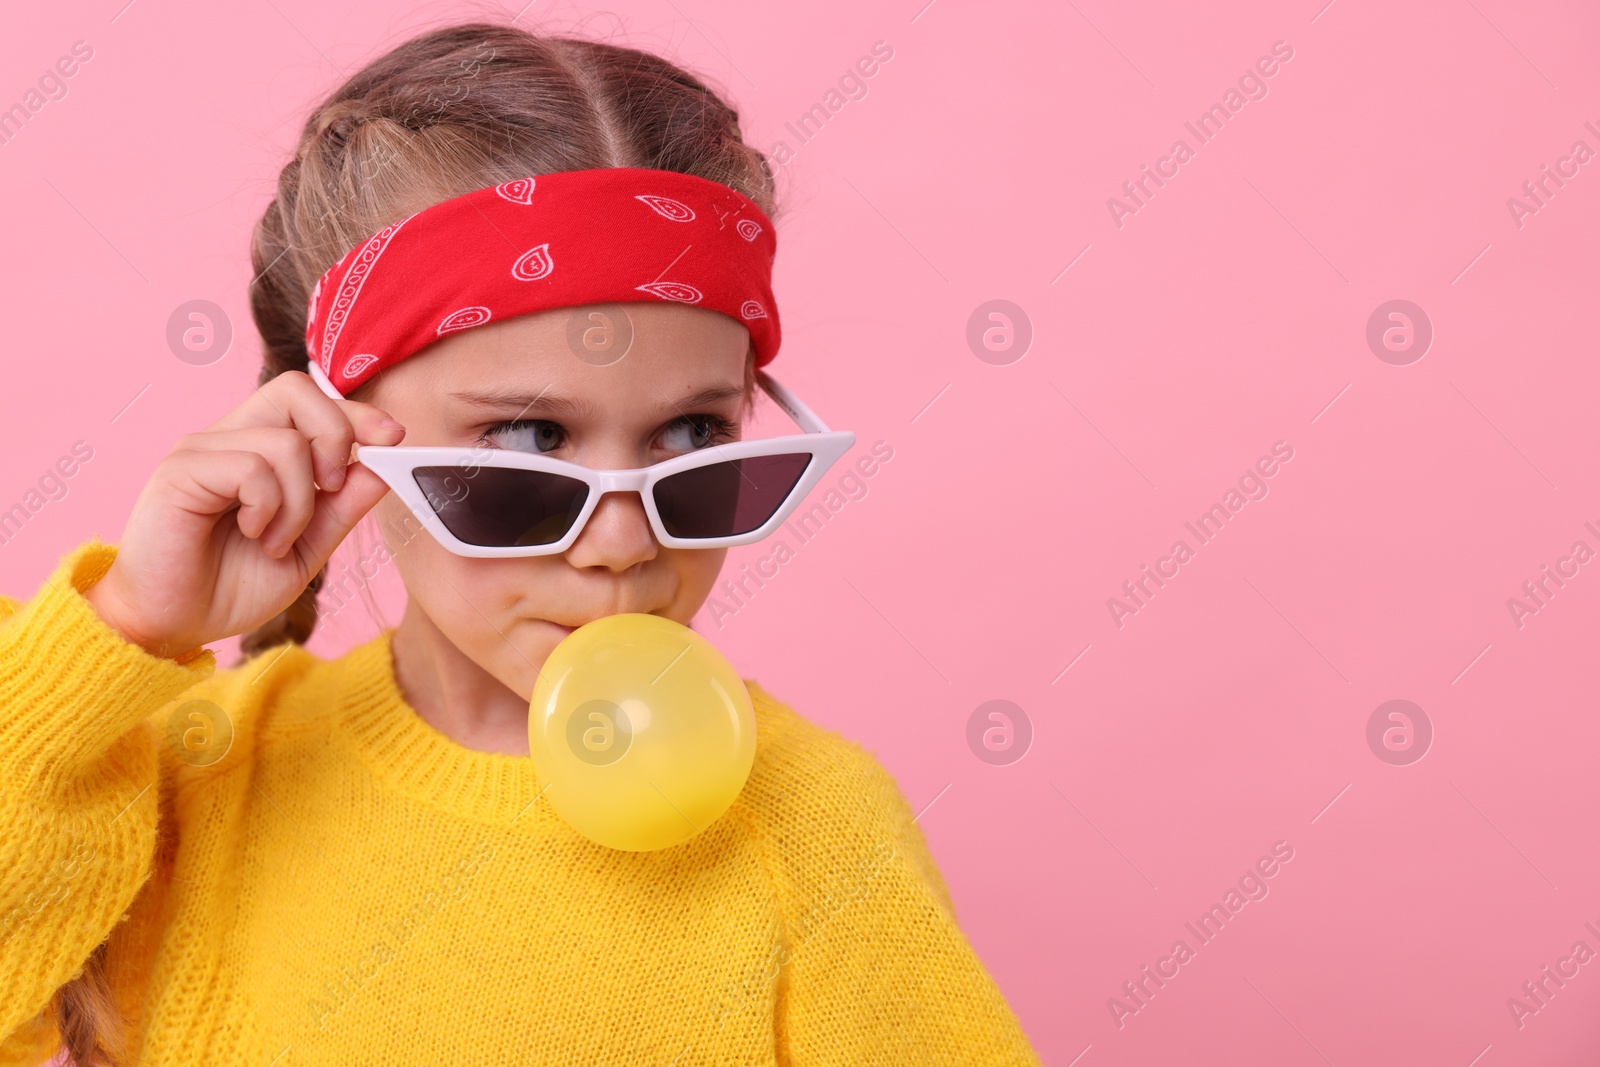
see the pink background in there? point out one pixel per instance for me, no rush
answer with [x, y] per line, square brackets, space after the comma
[1227, 314]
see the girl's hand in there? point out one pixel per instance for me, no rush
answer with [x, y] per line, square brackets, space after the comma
[237, 519]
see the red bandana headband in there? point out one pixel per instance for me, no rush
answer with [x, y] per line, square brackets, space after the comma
[611, 235]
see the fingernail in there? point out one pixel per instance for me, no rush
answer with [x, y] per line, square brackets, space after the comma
[390, 424]
[335, 479]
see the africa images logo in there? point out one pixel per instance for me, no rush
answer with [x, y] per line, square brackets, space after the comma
[1252, 85]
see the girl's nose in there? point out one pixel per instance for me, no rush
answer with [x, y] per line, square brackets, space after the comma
[617, 535]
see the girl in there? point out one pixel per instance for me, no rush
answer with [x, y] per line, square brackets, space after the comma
[299, 861]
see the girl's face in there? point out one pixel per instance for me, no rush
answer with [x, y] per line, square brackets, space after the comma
[520, 384]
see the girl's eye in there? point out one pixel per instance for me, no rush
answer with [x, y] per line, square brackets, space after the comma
[525, 435]
[687, 433]
[698, 431]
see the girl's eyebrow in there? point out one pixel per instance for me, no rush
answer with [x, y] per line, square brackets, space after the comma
[556, 404]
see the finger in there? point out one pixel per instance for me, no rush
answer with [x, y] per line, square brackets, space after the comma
[290, 455]
[337, 513]
[373, 425]
[292, 400]
[208, 483]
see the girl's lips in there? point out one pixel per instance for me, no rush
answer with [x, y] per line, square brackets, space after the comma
[569, 629]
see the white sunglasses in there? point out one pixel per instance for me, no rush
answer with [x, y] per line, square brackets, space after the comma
[499, 502]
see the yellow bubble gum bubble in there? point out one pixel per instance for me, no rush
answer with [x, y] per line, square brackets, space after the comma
[642, 733]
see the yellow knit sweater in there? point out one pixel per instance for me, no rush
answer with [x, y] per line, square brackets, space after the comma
[346, 885]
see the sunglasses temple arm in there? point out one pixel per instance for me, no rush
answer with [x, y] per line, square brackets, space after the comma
[322, 381]
[803, 416]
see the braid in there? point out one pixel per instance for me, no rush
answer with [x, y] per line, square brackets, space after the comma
[278, 305]
[293, 623]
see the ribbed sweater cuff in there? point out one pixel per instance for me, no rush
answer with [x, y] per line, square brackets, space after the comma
[70, 685]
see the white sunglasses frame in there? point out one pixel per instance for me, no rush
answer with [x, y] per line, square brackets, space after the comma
[394, 464]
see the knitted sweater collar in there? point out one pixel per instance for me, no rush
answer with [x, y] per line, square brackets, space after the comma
[405, 751]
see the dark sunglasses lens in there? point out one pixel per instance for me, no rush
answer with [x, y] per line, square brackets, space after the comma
[723, 499]
[499, 507]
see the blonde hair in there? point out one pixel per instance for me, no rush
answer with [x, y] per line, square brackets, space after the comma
[446, 112]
